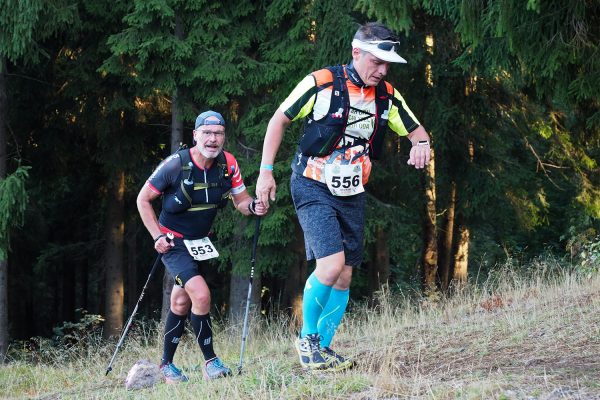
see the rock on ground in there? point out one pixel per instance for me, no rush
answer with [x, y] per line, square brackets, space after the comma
[143, 374]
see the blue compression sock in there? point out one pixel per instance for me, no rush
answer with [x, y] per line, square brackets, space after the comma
[332, 315]
[315, 297]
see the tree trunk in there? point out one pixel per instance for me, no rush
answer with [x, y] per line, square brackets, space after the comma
[114, 259]
[379, 271]
[296, 277]
[176, 140]
[68, 292]
[81, 285]
[238, 294]
[3, 309]
[3, 118]
[3, 260]
[430, 253]
[446, 253]
[461, 258]
[132, 290]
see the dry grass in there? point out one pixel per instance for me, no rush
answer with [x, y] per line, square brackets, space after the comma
[526, 339]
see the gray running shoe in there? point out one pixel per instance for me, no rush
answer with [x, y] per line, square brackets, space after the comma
[172, 374]
[335, 361]
[309, 353]
[214, 368]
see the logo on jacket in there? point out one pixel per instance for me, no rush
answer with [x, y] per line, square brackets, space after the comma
[338, 114]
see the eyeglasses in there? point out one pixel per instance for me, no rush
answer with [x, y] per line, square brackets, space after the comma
[216, 133]
[386, 45]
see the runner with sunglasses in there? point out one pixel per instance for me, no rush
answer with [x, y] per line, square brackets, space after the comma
[347, 110]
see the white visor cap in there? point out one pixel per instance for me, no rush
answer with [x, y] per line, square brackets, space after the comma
[383, 49]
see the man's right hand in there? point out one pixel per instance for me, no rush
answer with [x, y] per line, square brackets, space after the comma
[265, 187]
[163, 245]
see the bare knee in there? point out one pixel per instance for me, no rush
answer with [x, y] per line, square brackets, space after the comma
[344, 279]
[330, 268]
[198, 291]
[180, 303]
[201, 299]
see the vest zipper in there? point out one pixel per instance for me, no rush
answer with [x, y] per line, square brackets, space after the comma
[206, 181]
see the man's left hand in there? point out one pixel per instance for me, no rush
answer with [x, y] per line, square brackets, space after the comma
[256, 207]
[420, 154]
[259, 208]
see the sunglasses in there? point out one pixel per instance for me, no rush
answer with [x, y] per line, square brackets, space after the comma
[385, 45]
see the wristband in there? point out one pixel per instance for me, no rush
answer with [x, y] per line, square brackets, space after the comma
[267, 166]
[422, 143]
[159, 236]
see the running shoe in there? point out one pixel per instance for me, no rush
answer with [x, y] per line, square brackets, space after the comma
[172, 374]
[214, 368]
[335, 362]
[309, 353]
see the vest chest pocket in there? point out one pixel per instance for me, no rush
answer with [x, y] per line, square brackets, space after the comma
[319, 139]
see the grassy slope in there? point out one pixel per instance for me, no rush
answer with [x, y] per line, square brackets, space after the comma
[526, 341]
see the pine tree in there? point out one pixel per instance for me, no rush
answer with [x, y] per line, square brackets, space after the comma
[477, 120]
[22, 26]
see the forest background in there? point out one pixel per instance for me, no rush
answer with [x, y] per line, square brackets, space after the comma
[93, 94]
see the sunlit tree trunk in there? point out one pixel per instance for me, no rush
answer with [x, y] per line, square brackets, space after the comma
[176, 140]
[430, 255]
[461, 257]
[114, 258]
[295, 280]
[446, 250]
[379, 270]
[3, 261]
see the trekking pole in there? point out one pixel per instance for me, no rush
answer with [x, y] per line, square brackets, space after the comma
[170, 237]
[245, 329]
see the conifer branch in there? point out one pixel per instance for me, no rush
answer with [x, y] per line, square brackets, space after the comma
[541, 164]
[381, 203]
[249, 150]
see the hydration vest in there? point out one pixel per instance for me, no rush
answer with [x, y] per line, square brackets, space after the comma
[183, 198]
[322, 136]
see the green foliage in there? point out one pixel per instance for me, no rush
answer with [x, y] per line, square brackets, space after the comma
[171, 45]
[509, 92]
[584, 250]
[70, 341]
[24, 24]
[69, 333]
[397, 17]
[279, 52]
[13, 203]
[333, 31]
[589, 257]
